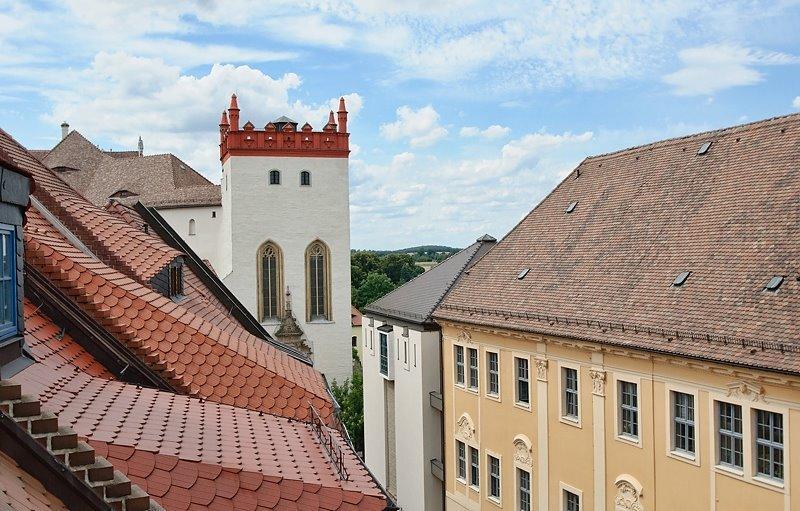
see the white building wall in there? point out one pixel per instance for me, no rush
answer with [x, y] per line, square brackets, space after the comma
[418, 424]
[292, 216]
[208, 223]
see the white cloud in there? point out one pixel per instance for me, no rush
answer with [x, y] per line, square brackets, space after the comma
[493, 131]
[796, 102]
[420, 127]
[120, 97]
[709, 69]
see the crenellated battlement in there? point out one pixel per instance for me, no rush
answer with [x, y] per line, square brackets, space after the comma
[282, 137]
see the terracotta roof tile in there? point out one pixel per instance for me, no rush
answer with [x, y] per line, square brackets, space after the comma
[604, 272]
[21, 491]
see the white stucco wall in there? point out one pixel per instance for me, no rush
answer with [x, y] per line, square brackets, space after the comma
[291, 216]
[205, 242]
[418, 424]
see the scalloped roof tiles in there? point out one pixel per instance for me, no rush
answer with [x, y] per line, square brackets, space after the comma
[20, 491]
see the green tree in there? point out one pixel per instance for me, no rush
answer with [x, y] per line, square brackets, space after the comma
[374, 286]
[350, 396]
[362, 263]
[400, 268]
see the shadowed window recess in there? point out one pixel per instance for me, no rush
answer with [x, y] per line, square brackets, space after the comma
[318, 282]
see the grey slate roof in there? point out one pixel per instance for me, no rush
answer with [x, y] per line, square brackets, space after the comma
[160, 180]
[416, 300]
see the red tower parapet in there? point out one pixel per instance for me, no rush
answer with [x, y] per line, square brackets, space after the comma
[282, 137]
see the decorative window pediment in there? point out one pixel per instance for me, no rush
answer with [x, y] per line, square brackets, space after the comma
[523, 455]
[629, 494]
[465, 429]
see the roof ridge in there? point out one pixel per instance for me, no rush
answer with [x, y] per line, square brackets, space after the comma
[714, 132]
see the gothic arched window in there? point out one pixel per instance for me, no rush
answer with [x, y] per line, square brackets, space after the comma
[270, 281]
[318, 282]
[305, 178]
[274, 177]
[192, 227]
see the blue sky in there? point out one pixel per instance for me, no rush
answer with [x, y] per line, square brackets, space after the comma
[464, 113]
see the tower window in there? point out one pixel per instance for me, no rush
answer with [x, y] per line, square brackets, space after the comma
[8, 282]
[318, 276]
[305, 178]
[192, 227]
[274, 177]
[270, 281]
[213, 214]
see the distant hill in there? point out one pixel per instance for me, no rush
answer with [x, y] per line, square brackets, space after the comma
[421, 249]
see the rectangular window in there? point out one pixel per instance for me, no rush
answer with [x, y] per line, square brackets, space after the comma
[572, 502]
[494, 477]
[493, 369]
[730, 435]
[461, 456]
[523, 381]
[628, 409]
[459, 357]
[176, 281]
[8, 282]
[570, 377]
[474, 468]
[524, 483]
[473, 368]
[683, 422]
[384, 347]
[769, 444]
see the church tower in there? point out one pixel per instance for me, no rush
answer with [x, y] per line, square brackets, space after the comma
[286, 229]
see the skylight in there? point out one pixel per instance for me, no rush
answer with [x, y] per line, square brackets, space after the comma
[521, 275]
[571, 207]
[774, 283]
[681, 278]
[704, 148]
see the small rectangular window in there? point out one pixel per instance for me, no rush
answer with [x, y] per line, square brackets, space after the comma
[729, 436]
[523, 382]
[473, 368]
[769, 444]
[384, 349]
[494, 477]
[524, 484]
[474, 468]
[459, 360]
[8, 282]
[493, 369]
[683, 426]
[461, 455]
[176, 281]
[628, 409]
[570, 383]
[572, 502]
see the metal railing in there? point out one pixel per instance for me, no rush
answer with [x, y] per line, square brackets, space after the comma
[329, 443]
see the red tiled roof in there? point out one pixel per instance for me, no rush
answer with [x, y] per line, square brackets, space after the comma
[604, 271]
[20, 491]
[355, 316]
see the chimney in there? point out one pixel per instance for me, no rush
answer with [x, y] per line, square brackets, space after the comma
[233, 113]
[141, 146]
[64, 130]
[342, 114]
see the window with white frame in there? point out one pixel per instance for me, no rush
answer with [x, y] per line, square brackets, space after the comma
[572, 501]
[769, 444]
[523, 387]
[473, 368]
[729, 435]
[628, 409]
[494, 477]
[9, 291]
[493, 373]
[524, 489]
[458, 353]
[461, 460]
[384, 352]
[474, 468]
[569, 377]
[683, 425]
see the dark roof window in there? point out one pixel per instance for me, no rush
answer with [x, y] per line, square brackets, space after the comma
[571, 207]
[681, 278]
[386, 328]
[521, 275]
[774, 283]
[704, 148]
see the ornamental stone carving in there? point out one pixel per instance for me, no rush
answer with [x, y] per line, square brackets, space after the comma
[629, 494]
[746, 390]
[541, 369]
[464, 337]
[465, 429]
[522, 451]
[598, 382]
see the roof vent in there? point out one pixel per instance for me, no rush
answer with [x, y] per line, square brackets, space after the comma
[571, 207]
[521, 275]
[704, 148]
[774, 283]
[681, 278]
